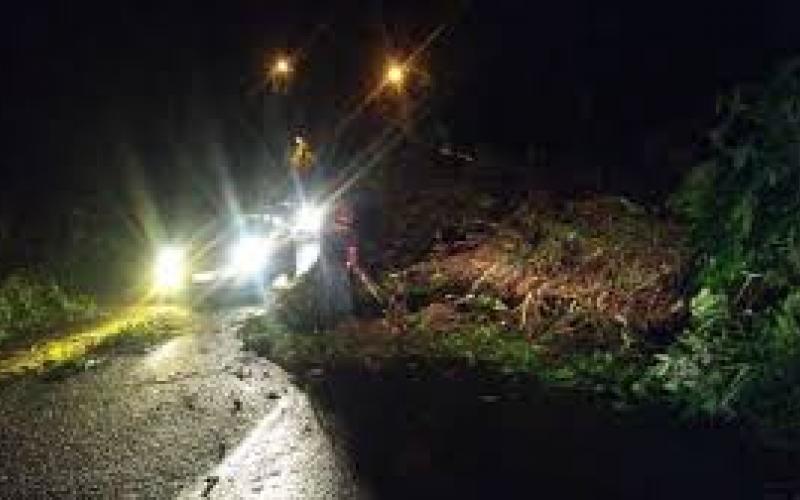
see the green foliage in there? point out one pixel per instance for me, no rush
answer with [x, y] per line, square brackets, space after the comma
[133, 338]
[479, 343]
[270, 337]
[32, 304]
[138, 337]
[743, 203]
[615, 375]
[740, 353]
[703, 371]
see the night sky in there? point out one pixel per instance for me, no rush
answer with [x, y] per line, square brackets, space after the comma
[94, 90]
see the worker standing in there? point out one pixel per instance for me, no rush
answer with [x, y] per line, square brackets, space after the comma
[302, 161]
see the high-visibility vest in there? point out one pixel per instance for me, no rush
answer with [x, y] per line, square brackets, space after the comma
[302, 158]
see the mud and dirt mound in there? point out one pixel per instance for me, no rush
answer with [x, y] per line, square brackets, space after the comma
[544, 265]
[587, 273]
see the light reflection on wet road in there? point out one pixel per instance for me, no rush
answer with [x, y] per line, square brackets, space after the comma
[195, 416]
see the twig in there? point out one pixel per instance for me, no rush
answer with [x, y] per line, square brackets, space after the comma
[525, 304]
[483, 277]
[745, 286]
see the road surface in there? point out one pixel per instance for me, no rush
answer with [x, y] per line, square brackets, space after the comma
[195, 417]
[199, 418]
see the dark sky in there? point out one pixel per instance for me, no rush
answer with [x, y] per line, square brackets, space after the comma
[90, 88]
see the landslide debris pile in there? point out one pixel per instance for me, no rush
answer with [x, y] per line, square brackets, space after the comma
[592, 268]
[587, 272]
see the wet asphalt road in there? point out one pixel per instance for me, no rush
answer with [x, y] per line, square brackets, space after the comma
[195, 417]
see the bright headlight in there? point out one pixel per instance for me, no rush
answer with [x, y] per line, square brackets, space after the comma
[169, 269]
[309, 219]
[250, 255]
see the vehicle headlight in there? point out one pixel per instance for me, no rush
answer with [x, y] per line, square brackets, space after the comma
[250, 254]
[309, 219]
[169, 268]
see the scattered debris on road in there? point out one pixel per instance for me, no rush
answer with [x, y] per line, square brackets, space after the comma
[211, 482]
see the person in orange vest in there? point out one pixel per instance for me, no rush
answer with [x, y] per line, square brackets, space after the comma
[302, 161]
[302, 157]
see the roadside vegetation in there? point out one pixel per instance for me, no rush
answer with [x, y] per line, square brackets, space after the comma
[740, 354]
[65, 283]
[696, 308]
[32, 305]
[84, 347]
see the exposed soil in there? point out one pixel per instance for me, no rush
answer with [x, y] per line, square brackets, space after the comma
[583, 269]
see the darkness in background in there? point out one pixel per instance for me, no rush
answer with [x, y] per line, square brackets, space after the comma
[128, 99]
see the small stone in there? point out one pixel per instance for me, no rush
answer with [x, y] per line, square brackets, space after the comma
[189, 402]
[273, 395]
[237, 405]
[211, 481]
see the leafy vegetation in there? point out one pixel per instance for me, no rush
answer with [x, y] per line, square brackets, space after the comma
[741, 352]
[31, 305]
[139, 335]
[132, 338]
[132, 330]
[59, 267]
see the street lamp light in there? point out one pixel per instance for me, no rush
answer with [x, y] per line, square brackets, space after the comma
[282, 67]
[395, 75]
[279, 74]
